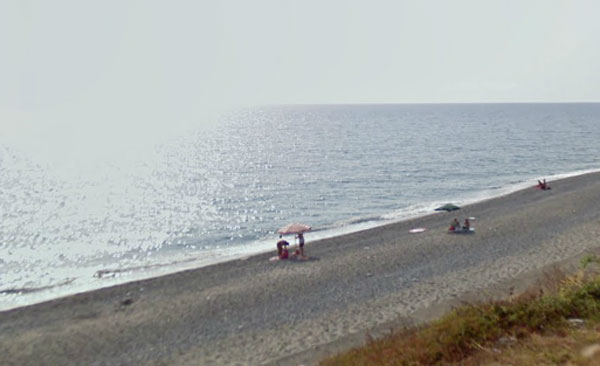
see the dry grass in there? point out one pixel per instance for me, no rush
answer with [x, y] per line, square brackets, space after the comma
[577, 347]
[530, 329]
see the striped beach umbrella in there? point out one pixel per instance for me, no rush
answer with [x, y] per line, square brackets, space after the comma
[294, 228]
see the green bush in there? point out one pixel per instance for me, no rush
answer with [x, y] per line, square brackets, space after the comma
[469, 328]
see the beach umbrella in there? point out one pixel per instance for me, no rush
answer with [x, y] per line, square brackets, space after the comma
[294, 228]
[448, 207]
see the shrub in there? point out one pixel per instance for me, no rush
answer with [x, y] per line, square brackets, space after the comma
[473, 327]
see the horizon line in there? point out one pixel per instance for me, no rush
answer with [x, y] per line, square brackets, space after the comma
[413, 103]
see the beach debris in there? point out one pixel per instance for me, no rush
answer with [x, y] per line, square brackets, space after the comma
[590, 351]
[495, 350]
[448, 207]
[417, 230]
[576, 322]
[101, 273]
[504, 341]
[367, 248]
[128, 301]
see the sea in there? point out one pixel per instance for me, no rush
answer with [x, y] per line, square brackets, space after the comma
[219, 189]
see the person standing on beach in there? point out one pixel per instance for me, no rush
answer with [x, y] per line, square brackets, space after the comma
[301, 244]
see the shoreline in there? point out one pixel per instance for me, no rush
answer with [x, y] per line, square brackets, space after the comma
[252, 311]
[190, 262]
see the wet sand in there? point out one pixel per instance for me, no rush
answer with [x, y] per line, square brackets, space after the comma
[254, 311]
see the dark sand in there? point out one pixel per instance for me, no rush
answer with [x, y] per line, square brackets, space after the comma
[253, 311]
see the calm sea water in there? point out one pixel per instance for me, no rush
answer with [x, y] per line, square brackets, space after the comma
[222, 190]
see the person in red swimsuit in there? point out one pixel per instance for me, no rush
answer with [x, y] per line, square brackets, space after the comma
[284, 253]
[281, 247]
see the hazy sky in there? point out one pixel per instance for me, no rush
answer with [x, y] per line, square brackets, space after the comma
[110, 61]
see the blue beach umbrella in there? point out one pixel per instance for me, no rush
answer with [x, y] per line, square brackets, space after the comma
[448, 207]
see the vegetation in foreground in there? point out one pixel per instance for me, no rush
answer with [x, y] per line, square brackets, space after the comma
[558, 324]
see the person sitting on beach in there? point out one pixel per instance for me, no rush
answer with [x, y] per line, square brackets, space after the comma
[281, 245]
[543, 185]
[284, 253]
[467, 225]
[454, 225]
[546, 186]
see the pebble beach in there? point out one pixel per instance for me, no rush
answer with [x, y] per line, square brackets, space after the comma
[254, 311]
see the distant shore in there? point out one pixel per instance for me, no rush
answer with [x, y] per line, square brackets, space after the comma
[254, 311]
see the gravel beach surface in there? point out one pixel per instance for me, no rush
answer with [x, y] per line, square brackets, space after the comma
[255, 311]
